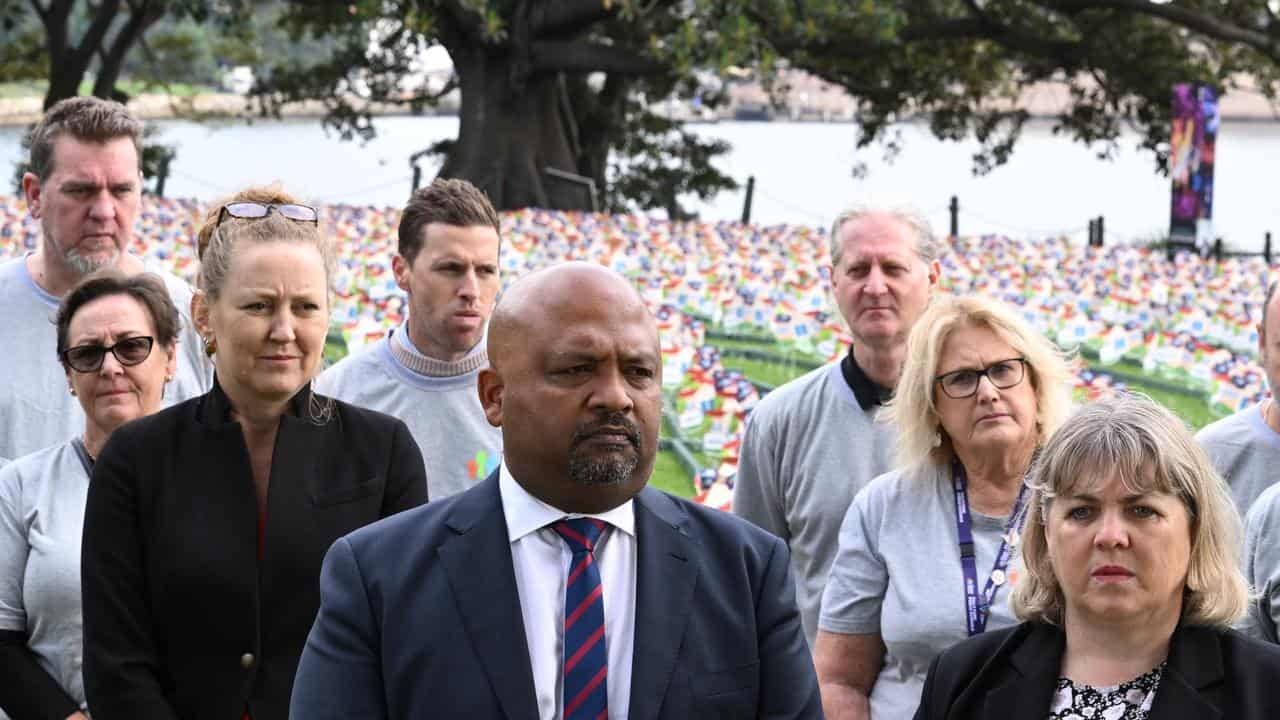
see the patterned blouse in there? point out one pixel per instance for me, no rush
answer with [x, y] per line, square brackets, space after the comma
[1127, 701]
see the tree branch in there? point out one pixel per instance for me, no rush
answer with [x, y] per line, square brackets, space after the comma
[590, 57]
[462, 20]
[93, 37]
[41, 11]
[140, 18]
[968, 28]
[1202, 23]
[567, 17]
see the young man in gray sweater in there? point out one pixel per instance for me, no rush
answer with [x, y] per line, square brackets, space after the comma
[813, 443]
[425, 372]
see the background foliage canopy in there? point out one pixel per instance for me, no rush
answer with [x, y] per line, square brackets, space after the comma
[570, 86]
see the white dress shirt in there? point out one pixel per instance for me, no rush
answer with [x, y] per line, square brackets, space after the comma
[541, 559]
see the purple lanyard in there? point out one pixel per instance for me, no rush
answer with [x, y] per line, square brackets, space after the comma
[978, 607]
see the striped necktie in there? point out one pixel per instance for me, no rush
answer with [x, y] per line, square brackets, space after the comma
[586, 662]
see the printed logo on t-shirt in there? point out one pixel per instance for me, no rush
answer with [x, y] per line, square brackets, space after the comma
[482, 465]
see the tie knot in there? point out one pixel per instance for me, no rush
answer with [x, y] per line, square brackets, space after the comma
[580, 533]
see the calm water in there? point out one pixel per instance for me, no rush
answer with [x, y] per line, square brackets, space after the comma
[1051, 186]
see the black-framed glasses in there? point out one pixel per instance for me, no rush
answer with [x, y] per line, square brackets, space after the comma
[252, 210]
[88, 358]
[1004, 374]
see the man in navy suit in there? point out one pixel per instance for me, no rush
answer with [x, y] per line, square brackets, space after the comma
[561, 587]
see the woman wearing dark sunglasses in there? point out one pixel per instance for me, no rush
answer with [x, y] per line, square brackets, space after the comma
[207, 523]
[116, 339]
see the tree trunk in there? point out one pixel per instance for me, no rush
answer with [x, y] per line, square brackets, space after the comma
[510, 135]
[64, 79]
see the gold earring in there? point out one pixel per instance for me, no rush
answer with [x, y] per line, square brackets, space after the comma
[210, 346]
[73, 391]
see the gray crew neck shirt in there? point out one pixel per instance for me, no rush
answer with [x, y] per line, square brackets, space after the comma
[459, 446]
[1262, 566]
[1246, 453]
[808, 448]
[42, 500]
[897, 574]
[36, 408]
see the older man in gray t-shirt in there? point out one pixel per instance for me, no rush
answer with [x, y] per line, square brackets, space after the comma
[812, 444]
[85, 188]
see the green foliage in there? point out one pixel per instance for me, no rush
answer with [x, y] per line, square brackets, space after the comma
[643, 51]
[962, 64]
[21, 43]
[656, 161]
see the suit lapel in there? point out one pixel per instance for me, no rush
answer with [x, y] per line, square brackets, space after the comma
[478, 564]
[666, 573]
[1195, 663]
[1027, 692]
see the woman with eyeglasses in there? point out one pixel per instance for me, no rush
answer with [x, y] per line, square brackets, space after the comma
[206, 523]
[928, 553]
[116, 340]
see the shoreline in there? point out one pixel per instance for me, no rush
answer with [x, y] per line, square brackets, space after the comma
[1237, 107]
[205, 106]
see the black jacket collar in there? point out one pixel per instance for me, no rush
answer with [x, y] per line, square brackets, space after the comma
[215, 406]
[1194, 664]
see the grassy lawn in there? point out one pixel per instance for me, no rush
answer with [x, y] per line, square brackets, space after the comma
[1194, 411]
[670, 476]
[763, 371]
[765, 346]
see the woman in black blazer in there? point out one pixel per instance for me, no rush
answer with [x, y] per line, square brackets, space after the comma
[1131, 586]
[206, 523]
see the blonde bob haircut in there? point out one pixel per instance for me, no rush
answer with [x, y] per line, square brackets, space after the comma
[921, 439]
[1149, 450]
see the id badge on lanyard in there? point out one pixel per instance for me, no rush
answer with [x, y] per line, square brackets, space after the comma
[978, 604]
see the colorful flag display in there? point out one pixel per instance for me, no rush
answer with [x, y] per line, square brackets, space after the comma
[1189, 322]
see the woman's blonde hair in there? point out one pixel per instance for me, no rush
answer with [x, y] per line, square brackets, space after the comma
[215, 244]
[921, 439]
[1149, 450]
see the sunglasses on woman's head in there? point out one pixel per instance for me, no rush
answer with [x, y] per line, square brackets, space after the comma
[89, 358]
[252, 210]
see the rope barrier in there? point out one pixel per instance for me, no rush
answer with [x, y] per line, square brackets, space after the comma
[819, 217]
[406, 181]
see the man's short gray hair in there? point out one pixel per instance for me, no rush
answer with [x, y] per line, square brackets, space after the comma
[928, 246]
[88, 119]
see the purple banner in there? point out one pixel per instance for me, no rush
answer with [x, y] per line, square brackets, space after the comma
[1194, 129]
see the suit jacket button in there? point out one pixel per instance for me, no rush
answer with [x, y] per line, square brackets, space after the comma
[246, 660]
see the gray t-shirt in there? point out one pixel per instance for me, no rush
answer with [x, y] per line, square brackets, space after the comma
[1262, 565]
[1246, 453]
[898, 574]
[459, 446]
[42, 499]
[807, 450]
[36, 408]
